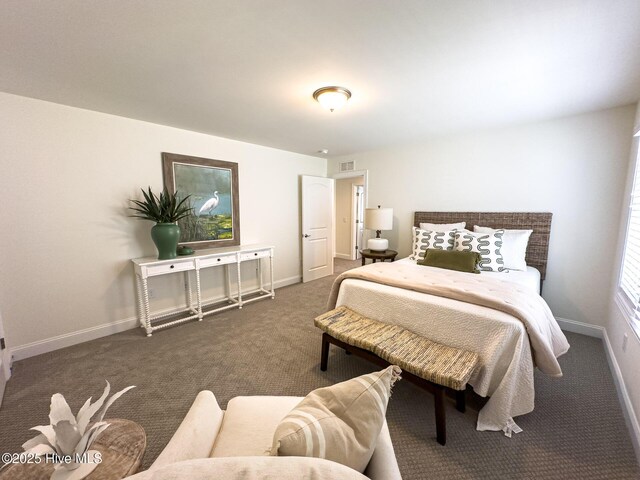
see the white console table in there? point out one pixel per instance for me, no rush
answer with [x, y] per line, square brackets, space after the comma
[229, 257]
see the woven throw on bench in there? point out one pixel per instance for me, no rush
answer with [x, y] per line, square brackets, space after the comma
[432, 361]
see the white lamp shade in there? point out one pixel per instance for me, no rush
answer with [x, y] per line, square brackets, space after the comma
[378, 218]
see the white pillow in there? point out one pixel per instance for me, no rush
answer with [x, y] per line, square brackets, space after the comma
[488, 245]
[423, 239]
[514, 246]
[443, 227]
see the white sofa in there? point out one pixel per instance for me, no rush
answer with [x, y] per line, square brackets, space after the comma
[246, 430]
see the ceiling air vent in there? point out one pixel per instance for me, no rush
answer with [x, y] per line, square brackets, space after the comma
[347, 166]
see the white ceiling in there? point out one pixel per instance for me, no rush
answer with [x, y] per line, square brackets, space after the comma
[246, 69]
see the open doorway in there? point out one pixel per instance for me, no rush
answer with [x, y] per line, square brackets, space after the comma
[349, 215]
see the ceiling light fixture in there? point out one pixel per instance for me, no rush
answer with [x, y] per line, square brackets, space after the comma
[332, 98]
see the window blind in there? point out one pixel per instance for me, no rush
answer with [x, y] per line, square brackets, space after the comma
[630, 277]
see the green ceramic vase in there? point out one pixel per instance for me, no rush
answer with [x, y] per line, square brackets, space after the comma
[166, 237]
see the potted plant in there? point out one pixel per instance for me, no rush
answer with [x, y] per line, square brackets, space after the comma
[165, 210]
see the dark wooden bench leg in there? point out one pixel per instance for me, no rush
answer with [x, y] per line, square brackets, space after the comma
[441, 419]
[438, 391]
[324, 357]
[461, 403]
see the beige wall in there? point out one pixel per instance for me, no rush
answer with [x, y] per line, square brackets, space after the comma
[574, 167]
[628, 361]
[67, 241]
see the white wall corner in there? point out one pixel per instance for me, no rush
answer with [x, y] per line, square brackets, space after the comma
[5, 362]
[5, 371]
[623, 396]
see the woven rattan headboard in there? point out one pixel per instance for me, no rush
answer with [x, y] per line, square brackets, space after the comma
[540, 223]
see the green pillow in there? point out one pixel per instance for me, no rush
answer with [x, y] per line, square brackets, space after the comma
[451, 260]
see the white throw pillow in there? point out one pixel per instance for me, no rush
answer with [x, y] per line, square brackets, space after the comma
[423, 239]
[488, 245]
[514, 246]
[340, 423]
[443, 227]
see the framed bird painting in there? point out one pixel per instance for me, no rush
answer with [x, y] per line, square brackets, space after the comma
[212, 188]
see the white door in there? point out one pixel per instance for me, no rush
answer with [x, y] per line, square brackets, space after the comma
[5, 372]
[317, 227]
[357, 216]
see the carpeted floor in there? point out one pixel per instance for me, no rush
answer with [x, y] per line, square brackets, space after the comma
[577, 430]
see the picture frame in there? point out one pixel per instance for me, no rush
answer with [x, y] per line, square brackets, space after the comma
[214, 198]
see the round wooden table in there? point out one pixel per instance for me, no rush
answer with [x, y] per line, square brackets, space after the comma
[122, 446]
[375, 255]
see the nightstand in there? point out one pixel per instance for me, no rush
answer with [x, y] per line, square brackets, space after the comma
[374, 255]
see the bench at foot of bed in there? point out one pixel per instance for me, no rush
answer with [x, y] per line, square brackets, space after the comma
[430, 365]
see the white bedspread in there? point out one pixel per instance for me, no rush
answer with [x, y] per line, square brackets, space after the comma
[529, 278]
[505, 370]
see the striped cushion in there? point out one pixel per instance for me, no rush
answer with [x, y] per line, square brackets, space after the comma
[340, 423]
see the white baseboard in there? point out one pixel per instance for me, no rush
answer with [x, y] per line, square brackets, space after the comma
[285, 282]
[623, 394]
[343, 256]
[580, 327]
[73, 338]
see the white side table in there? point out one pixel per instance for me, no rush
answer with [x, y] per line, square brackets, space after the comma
[229, 257]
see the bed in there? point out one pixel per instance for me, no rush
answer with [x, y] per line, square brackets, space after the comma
[505, 370]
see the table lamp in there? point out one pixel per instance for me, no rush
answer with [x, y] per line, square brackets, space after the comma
[378, 219]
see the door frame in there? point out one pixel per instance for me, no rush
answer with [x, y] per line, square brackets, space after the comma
[5, 356]
[355, 252]
[352, 174]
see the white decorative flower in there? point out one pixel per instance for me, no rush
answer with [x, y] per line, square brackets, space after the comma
[68, 434]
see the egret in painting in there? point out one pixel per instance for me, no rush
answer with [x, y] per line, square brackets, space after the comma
[210, 204]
